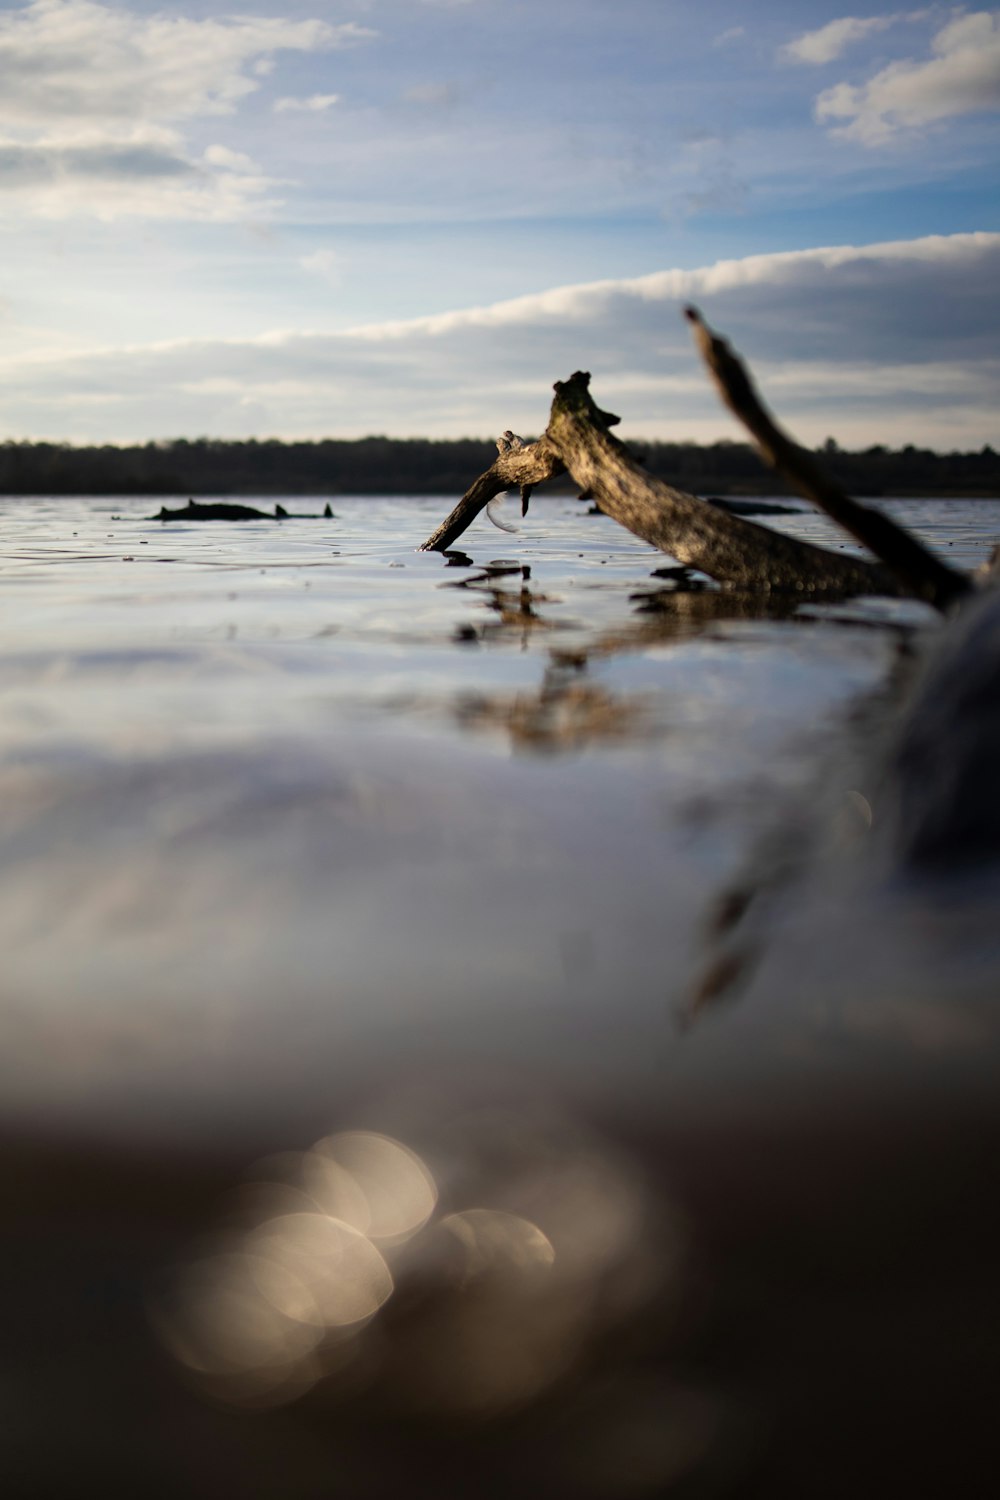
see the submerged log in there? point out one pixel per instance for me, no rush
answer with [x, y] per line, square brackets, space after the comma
[224, 510]
[281, 514]
[215, 511]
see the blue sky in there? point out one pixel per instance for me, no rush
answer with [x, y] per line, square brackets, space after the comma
[411, 216]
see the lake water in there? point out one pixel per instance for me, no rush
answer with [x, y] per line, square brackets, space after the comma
[304, 832]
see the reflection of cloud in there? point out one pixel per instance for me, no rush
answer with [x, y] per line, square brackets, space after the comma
[962, 78]
[881, 343]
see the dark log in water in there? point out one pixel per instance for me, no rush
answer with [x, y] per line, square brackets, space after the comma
[215, 511]
[224, 510]
[750, 507]
[281, 514]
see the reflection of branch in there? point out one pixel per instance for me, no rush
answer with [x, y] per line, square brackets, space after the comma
[729, 548]
[921, 573]
[565, 713]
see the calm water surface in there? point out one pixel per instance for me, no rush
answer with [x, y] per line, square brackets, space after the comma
[272, 786]
[303, 831]
[275, 786]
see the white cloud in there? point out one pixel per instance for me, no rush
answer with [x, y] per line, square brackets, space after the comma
[229, 161]
[314, 104]
[102, 72]
[145, 172]
[732, 35]
[75, 59]
[50, 159]
[883, 343]
[832, 40]
[323, 263]
[961, 78]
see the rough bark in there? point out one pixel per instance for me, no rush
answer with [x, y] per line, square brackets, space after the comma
[730, 549]
[733, 550]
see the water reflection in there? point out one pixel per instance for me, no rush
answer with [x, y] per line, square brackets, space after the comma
[567, 711]
[515, 610]
[564, 714]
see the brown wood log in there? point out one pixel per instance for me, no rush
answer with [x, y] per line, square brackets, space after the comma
[920, 573]
[732, 550]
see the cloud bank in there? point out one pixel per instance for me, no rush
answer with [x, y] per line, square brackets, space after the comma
[886, 343]
[91, 97]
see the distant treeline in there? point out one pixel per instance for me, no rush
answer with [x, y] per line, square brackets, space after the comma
[418, 466]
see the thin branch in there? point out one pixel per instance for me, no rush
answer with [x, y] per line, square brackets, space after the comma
[516, 467]
[920, 572]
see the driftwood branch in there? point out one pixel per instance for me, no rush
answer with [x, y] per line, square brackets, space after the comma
[921, 573]
[519, 465]
[730, 549]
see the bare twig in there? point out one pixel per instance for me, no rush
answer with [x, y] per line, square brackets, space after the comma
[920, 572]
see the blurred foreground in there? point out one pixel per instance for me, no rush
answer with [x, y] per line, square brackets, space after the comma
[465, 1032]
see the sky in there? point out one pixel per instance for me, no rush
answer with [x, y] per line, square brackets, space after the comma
[333, 218]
